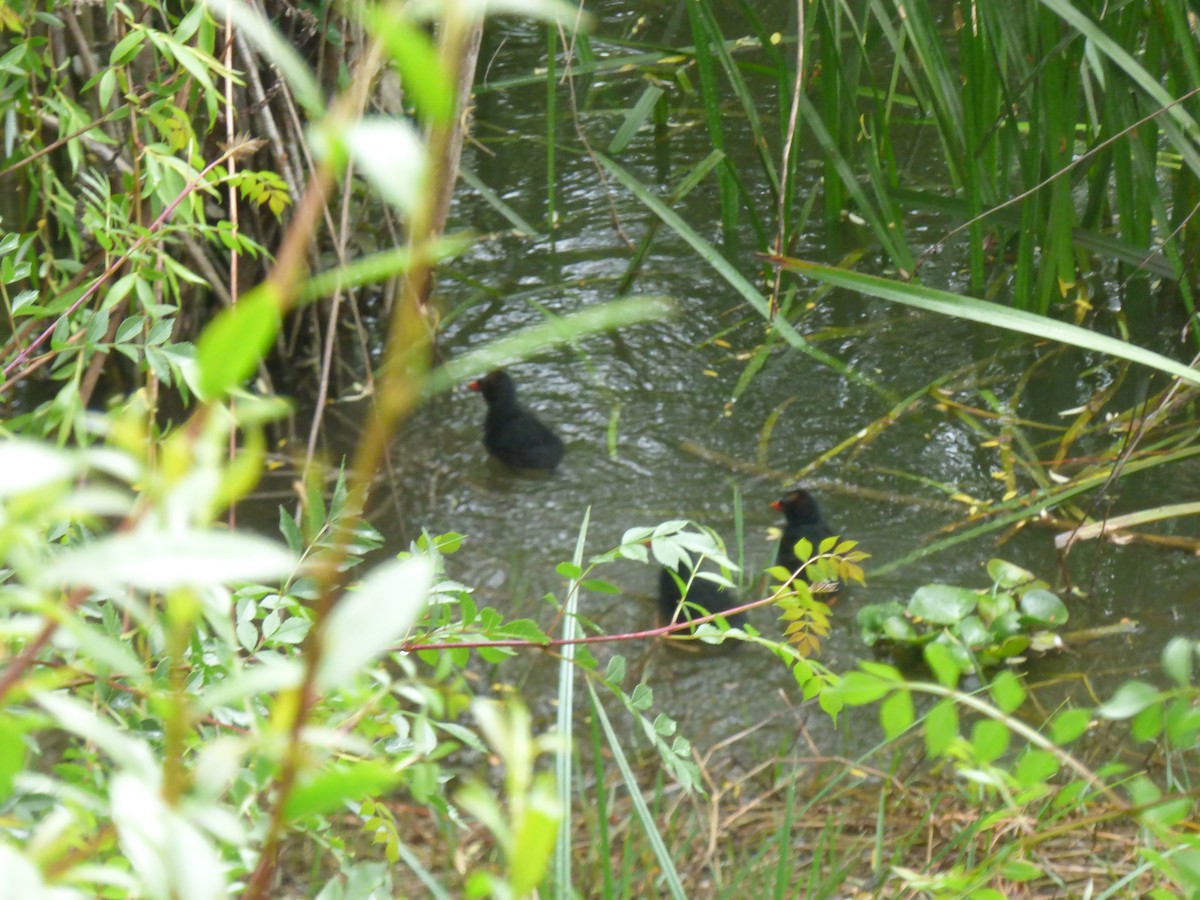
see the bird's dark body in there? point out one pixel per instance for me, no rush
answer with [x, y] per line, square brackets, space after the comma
[804, 522]
[701, 592]
[511, 433]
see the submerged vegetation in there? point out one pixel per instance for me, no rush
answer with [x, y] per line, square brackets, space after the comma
[191, 708]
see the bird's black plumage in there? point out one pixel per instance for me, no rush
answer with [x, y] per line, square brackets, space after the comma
[803, 522]
[703, 593]
[511, 433]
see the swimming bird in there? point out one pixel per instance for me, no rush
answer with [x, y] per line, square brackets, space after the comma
[706, 594]
[803, 522]
[511, 433]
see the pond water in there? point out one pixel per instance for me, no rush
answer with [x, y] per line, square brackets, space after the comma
[656, 388]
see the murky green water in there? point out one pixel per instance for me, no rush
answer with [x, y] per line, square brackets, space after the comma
[666, 383]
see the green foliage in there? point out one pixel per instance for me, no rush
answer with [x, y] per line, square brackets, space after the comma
[1012, 768]
[800, 597]
[961, 630]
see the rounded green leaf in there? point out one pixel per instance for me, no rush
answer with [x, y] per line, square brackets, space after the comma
[859, 689]
[941, 727]
[989, 740]
[942, 604]
[896, 714]
[1069, 725]
[940, 658]
[1040, 607]
[900, 630]
[993, 606]
[1007, 692]
[974, 634]
[1035, 767]
[1005, 575]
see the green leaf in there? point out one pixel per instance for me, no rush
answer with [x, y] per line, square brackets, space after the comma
[127, 48]
[1148, 724]
[372, 617]
[1007, 692]
[941, 727]
[1069, 725]
[1021, 870]
[859, 689]
[232, 345]
[599, 586]
[12, 754]
[1179, 656]
[989, 740]
[1007, 576]
[635, 118]
[973, 633]
[534, 838]
[568, 570]
[1035, 767]
[1130, 699]
[945, 667]
[329, 789]
[993, 314]
[896, 714]
[1041, 607]
[156, 560]
[942, 604]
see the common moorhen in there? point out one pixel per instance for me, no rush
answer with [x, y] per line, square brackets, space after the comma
[701, 592]
[803, 521]
[510, 432]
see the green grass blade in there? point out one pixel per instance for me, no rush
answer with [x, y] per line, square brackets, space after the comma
[735, 278]
[565, 724]
[494, 201]
[544, 335]
[635, 118]
[674, 885]
[1121, 57]
[993, 314]
[551, 122]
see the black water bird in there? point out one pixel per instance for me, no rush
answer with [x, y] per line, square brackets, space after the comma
[511, 433]
[803, 522]
[701, 592]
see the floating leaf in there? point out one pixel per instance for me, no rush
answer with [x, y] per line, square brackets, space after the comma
[942, 604]
[1040, 607]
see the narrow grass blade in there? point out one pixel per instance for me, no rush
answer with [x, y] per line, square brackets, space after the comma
[993, 314]
[635, 118]
[541, 337]
[494, 201]
[565, 723]
[736, 280]
[674, 885]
